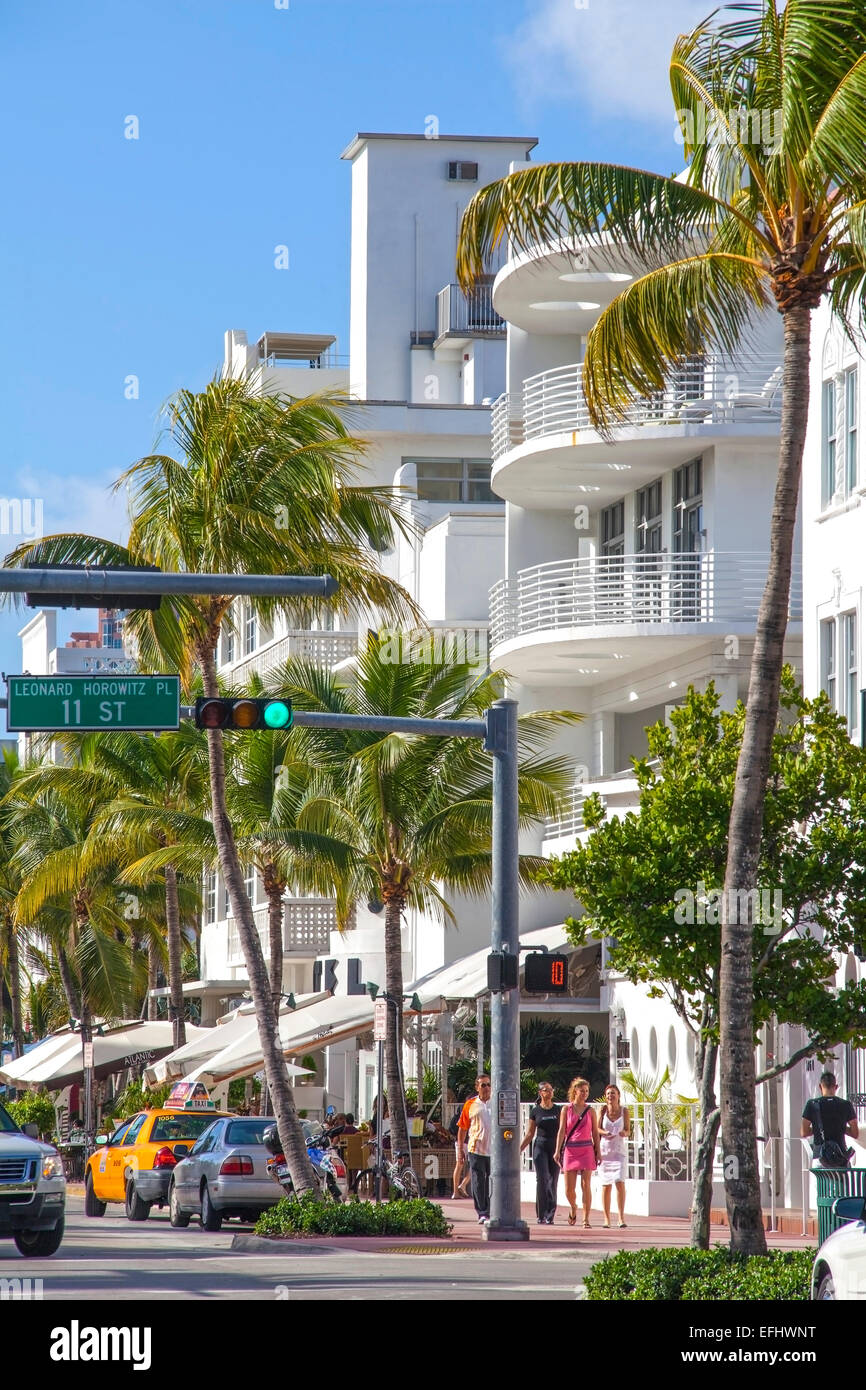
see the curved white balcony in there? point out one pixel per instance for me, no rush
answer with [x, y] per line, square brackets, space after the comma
[587, 620]
[534, 432]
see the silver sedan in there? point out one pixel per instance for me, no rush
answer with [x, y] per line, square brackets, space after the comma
[224, 1174]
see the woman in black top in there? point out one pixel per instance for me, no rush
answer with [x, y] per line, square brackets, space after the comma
[541, 1133]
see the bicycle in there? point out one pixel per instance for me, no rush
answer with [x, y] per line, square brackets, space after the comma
[397, 1172]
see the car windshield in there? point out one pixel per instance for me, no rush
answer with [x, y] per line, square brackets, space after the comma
[168, 1129]
[246, 1131]
[7, 1124]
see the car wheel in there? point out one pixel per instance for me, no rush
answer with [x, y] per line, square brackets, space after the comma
[826, 1289]
[36, 1244]
[136, 1209]
[211, 1219]
[177, 1217]
[92, 1204]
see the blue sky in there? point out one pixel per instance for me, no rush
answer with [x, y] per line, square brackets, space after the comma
[125, 257]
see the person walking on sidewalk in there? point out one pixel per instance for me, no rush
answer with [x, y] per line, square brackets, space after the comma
[541, 1133]
[614, 1130]
[459, 1127]
[577, 1147]
[477, 1115]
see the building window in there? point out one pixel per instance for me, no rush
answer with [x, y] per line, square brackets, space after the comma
[688, 507]
[229, 647]
[849, 656]
[453, 480]
[250, 883]
[250, 629]
[828, 660]
[613, 529]
[210, 897]
[850, 429]
[828, 442]
[463, 170]
[648, 520]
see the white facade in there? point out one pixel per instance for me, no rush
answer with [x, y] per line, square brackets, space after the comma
[424, 365]
[834, 579]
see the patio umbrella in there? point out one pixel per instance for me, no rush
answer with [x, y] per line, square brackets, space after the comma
[58, 1062]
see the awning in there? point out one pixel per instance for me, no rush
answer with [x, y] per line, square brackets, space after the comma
[57, 1062]
[301, 1030]
[209, 1041]
[467, 978]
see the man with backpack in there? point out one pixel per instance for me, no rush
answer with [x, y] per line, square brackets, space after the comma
[827, 1121]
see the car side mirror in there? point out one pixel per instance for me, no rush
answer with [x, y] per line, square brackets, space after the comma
[180, 1150]
[102, 1138]
[32, 1131]
[849, 1208]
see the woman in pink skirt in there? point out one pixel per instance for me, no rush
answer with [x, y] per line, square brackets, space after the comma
[577, 1147]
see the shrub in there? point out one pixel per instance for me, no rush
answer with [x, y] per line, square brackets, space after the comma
[310, 1215]
[686, 1274]
[34, 1108]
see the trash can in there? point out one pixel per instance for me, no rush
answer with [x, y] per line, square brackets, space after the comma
[832, 1184]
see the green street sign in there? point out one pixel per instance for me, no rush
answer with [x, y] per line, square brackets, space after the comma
[51, 704]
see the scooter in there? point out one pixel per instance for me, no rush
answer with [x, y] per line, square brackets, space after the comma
[327, 1163]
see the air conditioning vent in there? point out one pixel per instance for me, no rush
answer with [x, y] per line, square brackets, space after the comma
[461, 170]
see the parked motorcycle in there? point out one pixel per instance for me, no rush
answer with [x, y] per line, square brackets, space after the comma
[327, 1163]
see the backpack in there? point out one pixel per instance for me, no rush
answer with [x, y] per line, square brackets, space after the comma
[826, 1152]
[454, 1124]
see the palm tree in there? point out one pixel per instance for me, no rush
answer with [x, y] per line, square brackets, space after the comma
[10, 931]
[752, 224]
[401, 818]
[152, 791]
[261, 484]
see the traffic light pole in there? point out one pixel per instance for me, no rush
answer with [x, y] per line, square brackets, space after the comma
[96, 582]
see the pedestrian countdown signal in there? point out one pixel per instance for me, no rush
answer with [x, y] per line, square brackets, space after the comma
[545, 973]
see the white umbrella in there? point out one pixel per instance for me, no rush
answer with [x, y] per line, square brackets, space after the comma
[58, 1061]
[209, 1041]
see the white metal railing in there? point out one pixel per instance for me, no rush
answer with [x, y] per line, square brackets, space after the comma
[307, 926]
[472, 313]
[569, 818]
[714, 587]
[662, 1144]
[704, 390]
[321, 647]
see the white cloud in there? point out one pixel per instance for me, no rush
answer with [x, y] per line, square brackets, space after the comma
[60, 503]
[611, 57]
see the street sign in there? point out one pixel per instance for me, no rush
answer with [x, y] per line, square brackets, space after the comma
[88, 1054]
[52, 704]
[380, 1020]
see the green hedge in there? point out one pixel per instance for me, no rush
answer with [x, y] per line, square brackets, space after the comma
[685, 1275]
[312, 1216]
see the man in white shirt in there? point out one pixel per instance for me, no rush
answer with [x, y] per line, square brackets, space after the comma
[478, 1144]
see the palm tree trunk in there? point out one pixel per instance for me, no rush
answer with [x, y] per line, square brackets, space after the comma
[274, 891]
[14, 965]
[66, 979]
[282, 1101]
[394, 1037]
[175, 968]
[152, 977]
[710, 1118]
[736, 998]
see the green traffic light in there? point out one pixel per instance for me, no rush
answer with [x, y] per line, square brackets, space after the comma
[277, 715]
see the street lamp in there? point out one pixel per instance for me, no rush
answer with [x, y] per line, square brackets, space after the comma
[86, 1029]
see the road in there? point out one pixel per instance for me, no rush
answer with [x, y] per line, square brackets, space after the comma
[113, 1258]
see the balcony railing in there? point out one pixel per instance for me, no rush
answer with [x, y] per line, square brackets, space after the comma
[320, 647]
[569, 818]
[471, 315]
[718, 587]
[307, 925]
[704, 390]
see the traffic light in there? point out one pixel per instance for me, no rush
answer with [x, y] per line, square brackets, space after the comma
[242, 713]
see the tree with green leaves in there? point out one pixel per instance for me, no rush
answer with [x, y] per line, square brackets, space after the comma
[11, 932]
[403, 818]
[255, 485]
[754, 223]
[654, 883]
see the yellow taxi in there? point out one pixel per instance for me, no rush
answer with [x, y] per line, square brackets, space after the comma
[135, 1164]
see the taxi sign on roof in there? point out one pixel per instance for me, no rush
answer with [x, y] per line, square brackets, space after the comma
[189, 1095]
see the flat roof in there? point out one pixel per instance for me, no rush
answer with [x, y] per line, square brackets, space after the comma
[354, 145]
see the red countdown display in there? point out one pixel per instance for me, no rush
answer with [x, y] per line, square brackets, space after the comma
[545, 974]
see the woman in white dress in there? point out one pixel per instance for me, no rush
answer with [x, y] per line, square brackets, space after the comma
[614, 1129]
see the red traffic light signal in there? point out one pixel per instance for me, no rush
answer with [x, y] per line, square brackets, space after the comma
[242, 713]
